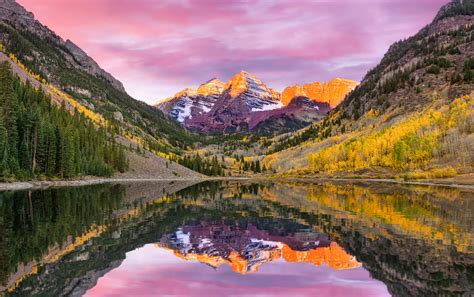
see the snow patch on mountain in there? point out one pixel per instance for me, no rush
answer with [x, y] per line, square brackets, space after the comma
[270, 106]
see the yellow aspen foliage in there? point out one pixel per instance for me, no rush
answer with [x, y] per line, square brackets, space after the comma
[409, 144]
[408, 214]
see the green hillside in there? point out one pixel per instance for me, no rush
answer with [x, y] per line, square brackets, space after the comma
[40, 139]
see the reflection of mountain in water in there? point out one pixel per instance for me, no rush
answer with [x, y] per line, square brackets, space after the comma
[417, 240]
[245, 248]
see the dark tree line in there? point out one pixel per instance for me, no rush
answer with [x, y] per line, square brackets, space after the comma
[210, 167]
[33, 221]
[321, 130]
[38, 138]
[250, 166]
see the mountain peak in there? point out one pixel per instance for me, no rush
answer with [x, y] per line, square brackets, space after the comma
[245, 82]
[186, 92]
[213, 80]
[455, 8]
[211, 87]
[244, 73]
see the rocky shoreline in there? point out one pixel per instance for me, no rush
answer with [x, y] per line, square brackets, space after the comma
[43, 184]
[40, 184]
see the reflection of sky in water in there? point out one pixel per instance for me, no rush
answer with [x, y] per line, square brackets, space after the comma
[149, 271]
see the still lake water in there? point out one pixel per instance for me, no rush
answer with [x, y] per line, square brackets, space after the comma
[238, 238]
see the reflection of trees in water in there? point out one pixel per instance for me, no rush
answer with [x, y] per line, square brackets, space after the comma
[33, 222]
[416, 239]
[365, 220]
[39, 227]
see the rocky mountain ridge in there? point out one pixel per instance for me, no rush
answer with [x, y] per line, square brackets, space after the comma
[18, 17]
[244, 103]
[331, 92]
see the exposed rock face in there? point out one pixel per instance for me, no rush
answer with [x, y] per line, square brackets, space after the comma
[15, 15]
[331, 92]
[87, 64]
[246, 87]
[190, 103]
[301, 112]
[244, 95]
[245, 103]
[211, 87]
[118, 116]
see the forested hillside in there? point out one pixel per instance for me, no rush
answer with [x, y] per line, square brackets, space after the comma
[64, 65]
[412, 114]
[41, 139]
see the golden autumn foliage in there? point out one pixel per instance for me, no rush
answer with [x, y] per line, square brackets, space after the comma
[418, 142]
[56, 93]
[415, 216]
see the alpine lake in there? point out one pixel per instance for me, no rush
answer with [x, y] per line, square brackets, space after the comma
[238, 238]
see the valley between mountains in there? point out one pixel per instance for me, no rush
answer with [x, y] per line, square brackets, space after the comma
[411, 117]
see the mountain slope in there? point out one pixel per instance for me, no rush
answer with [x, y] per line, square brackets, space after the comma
[299, 113]
[71, 70]
[69, 77]
[38, 138]
[127, 158]
[403, 116]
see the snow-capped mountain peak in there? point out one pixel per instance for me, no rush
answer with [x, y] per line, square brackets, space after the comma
[244, 101]
[253, 92]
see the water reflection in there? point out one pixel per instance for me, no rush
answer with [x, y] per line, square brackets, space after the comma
[244, 247]
[149, 271]
[338, 238]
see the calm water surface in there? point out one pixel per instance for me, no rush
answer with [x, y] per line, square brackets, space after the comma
[238, 239]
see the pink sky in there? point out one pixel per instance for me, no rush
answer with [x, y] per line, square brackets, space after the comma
[158, 47]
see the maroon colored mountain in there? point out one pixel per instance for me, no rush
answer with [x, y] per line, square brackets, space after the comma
[190, 103]
[301, 112]
[243, 104]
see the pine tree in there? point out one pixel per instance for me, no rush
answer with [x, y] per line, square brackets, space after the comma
[39, 138]
[51, 154]
[4, 168]
[9, 110]
[257, 166]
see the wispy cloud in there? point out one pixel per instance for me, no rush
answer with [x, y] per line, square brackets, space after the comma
[158, 47]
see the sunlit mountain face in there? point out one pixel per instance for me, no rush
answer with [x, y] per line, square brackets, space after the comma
[246, 248]
[245, 103]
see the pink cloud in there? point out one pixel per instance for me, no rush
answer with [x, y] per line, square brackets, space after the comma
[158, 47]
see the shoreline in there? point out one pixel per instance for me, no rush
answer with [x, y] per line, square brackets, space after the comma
[431, 182]
[45, 184]
[86, 181]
